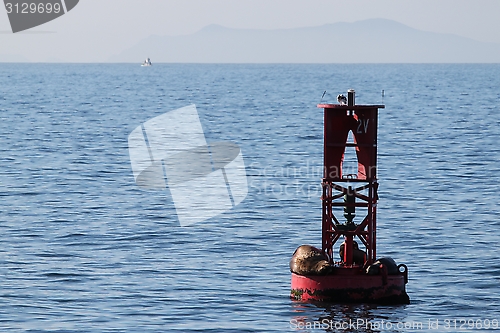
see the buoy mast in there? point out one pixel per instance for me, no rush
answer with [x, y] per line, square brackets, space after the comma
[339, 120]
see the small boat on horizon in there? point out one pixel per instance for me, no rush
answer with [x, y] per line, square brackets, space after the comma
[147, 63]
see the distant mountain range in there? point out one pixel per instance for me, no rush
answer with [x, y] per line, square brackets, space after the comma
[368, 41]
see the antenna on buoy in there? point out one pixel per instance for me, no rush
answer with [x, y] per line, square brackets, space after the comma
[322, 96]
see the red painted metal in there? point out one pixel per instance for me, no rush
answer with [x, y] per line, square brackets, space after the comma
[349, 281]
[361, 120]
[345, 286]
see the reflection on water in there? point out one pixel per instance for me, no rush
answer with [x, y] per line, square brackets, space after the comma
[367, 318]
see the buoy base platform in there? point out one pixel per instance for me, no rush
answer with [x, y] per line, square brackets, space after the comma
[346, 285]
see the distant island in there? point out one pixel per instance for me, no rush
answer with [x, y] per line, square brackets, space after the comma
[368, 41]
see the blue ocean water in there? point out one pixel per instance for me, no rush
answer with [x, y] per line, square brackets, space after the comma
[84, 249]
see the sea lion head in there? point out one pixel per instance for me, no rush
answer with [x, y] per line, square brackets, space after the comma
[388, 262]
[308, 260]
[358, 256]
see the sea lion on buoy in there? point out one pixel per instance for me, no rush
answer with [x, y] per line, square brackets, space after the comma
[388, 262]
[358, 256]
[308, 260]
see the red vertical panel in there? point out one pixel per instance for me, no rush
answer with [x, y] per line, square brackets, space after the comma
[365, 135]
[337, 126]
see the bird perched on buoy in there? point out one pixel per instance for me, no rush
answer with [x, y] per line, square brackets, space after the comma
[342, 99]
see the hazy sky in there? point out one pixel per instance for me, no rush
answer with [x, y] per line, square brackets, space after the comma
[97, 29]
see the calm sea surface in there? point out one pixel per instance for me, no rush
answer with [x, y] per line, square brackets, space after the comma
[84, 249]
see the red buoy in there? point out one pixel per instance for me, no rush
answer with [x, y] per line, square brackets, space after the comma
[357, 276]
